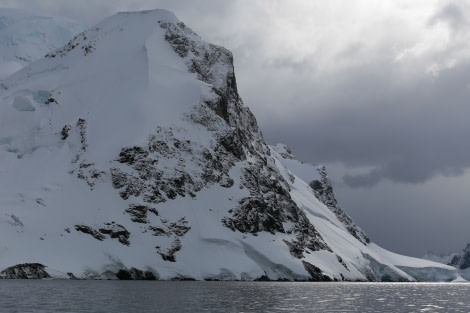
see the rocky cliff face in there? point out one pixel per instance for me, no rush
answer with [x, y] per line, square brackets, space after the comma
[139, 160]
[324, 192]
[462, 260]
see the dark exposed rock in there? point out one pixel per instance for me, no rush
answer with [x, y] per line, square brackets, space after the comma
[65, 132]
[225, 103]
[178, 228]
[179, 42]
[51, 100]
[130, 155]
[315, 273]
[142, 172]
[232, 143]
[316, 185]
[221, 108]
[72, 276]
[340, 260]
[159, 231]
[307, 237]
[269, 206]
[462, 260]
[262, 278]
[182, 278]
[25, 271]
[112, 229]
[62, 52]
[323, 191]
[169, 254]
[254, 215]
[172, 230]
[116, 231]
[139, 212]
[87, 172]
[135, 274]
[81, 125]
[118, 178]
[133, 186]
[89, 47]
[79, 40]
[90, 231]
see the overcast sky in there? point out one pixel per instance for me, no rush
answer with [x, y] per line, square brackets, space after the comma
[377, 90]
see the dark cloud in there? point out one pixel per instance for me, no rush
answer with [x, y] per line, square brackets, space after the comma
[363, 180]
[92, 12]
[406, 134]
[412, 219]
[296, 65]
[452, 13]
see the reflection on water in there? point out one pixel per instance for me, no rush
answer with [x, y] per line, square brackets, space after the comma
[152, 296]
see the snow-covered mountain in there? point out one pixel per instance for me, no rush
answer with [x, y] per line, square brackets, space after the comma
[27, 36]
[128, 153]
[459, 260]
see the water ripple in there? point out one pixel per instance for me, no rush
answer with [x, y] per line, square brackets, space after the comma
[227, 297]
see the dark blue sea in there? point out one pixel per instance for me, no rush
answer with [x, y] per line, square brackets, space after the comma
[25, 296]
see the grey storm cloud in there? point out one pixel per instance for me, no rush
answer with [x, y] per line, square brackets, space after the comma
[406, 134]
[453, 14]
[91, 11]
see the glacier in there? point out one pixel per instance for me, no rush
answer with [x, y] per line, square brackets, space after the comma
[27, 36]
[127, 153]
[460, 260]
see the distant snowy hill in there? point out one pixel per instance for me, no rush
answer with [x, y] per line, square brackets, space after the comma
[459, 260]
[27, 36]
[128, 153]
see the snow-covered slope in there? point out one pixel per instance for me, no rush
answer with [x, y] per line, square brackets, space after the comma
[377, 263]
[27, 36]
[128, 153]
[318, 180]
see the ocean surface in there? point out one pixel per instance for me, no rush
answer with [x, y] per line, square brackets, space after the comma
[171, 297]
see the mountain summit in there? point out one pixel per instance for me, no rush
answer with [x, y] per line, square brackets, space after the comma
[128, 153]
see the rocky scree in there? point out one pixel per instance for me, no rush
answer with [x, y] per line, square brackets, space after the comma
[324, 192]
[462, 260]
[25, 271]
[269, 205]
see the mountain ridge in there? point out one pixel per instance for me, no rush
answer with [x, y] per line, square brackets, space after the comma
[153, 166]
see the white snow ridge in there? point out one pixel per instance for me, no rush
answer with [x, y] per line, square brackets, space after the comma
[129, 154]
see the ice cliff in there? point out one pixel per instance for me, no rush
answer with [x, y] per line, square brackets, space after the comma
[460, 260]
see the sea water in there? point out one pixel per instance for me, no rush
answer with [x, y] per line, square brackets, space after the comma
[158, 296]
